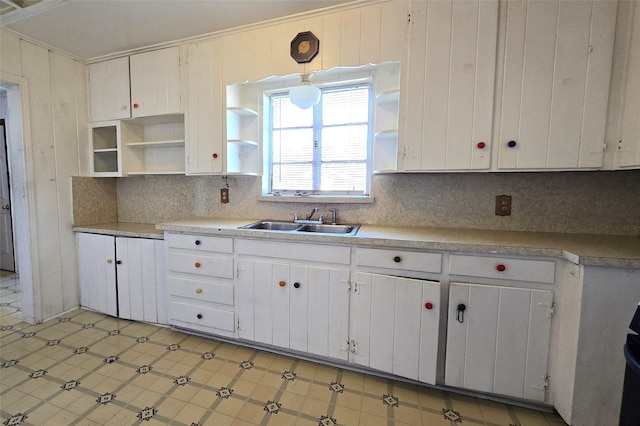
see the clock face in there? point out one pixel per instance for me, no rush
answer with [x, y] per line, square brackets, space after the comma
[304, 47]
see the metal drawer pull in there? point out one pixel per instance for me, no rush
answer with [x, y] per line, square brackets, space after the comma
[460, 312]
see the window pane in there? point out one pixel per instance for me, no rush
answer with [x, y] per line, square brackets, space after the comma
[345, 106]
[292, 177]
[285, 114]
[344, 142]
[292, 145]
[343, 177]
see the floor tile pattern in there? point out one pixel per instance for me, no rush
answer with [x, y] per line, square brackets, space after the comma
[89, 369]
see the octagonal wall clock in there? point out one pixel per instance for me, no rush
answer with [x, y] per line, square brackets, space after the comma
[304, 47]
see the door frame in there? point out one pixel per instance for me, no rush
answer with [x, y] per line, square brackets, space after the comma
[22, 194]
[5, 149]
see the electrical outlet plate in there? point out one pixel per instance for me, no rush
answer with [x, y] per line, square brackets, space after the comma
[503, 205]
[224, 195]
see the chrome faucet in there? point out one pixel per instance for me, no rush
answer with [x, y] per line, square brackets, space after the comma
[334, 218]
[314, 211]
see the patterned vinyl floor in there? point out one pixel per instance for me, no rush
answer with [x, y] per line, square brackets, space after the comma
[86, 369]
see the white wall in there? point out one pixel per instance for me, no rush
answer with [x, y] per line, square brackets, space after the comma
[55, 123]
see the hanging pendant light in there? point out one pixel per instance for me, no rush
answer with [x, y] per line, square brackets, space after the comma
[305, 95]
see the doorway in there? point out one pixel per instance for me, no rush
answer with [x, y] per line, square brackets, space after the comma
[7, 257]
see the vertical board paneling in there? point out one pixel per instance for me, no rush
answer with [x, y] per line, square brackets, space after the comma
[319, 309]
[299, 313]
[81, 72]
[331, 41]
[65, 138]
[370, 32]
[456, 336]
[162, 289]
[155, 82]
[393, 31]
[125, 282]
[568, 101]
[629, 155]
[87, 270]
[109, 90]
[482, 315]
[35, 64]
[383, 310]
[511, 341]
[359, 320]
[148, 280]
[350, 24]
[429, 332]
[538, 345]
[406, 333]
[338, 314]
[261, 301]
[280, 304]
[11, 57]
[437, 85]
[245, 299]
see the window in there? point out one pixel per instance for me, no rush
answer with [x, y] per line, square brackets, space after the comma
[323, 150]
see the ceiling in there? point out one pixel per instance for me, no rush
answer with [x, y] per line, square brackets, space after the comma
[90, 29]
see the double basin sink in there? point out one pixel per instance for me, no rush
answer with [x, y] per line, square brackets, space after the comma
[315, 228]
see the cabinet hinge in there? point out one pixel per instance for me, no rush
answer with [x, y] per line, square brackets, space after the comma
[551, 308]
[621, 148]
[354, 287]
[409, 18]
[545, 385]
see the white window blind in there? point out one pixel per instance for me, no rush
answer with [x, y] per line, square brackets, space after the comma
[324, 149]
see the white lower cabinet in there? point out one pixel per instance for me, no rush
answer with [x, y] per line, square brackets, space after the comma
[394, 325]
[498, 339]
[123, 276]
[294, 306]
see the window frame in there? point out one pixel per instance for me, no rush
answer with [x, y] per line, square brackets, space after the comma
[267, 190]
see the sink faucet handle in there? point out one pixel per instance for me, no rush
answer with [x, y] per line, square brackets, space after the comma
[334, 218]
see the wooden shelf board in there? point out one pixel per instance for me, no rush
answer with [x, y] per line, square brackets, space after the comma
[164, 144]
[248, 112]
[243, 142]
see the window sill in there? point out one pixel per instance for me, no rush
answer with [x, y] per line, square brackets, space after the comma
[347, 199]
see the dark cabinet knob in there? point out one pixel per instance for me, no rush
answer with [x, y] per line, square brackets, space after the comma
[199, 316]
[118, 262]
[397, 259]
[197, 242]
[296, 285]
[512, 144]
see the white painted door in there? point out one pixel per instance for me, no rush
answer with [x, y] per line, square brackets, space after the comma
[395, 325]
[629, 149]
[155, 83]
[7, 261]
[294, 306]
[450, 90]
[141, 283]
[97, 273]
[205, 108]
[555, 85]
[109, 93]
[499, 341]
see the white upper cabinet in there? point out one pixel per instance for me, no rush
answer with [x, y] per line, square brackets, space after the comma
[555, 84]
[155, 83]
[137, 86]
[449, 88]
[629, 140]
[204, 108]
[109, 90]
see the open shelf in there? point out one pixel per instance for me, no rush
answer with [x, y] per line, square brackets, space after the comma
[166, 144]
[387, 96]
[243, 142]
[243, 111]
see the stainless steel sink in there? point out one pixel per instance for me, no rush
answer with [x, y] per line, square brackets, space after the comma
[272, 225]
[330, 229]
[275, 225]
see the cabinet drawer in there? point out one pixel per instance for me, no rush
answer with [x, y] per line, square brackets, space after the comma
[542, 271]
[183, 314]
[199, 290]
[298, 251]
[200, 264]
[399, 259]
[199, 242]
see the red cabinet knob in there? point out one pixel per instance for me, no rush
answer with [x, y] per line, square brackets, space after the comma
[135, 105]
[282, 283]
[215, 155]
[501, 268]
[481, 145]
[197, 264]
[428, 305]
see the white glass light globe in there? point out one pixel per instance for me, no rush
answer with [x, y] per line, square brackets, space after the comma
[305, 95]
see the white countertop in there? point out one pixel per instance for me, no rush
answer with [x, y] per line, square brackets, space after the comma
[594, 250]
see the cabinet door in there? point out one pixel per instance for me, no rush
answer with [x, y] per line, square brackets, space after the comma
[155, 83]
[97, 273]
[555, 86]
[450, 86]
[141, 283]
[395, 325]
[499, 343]
[109, 90]
[205, 108]
[629, 149]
